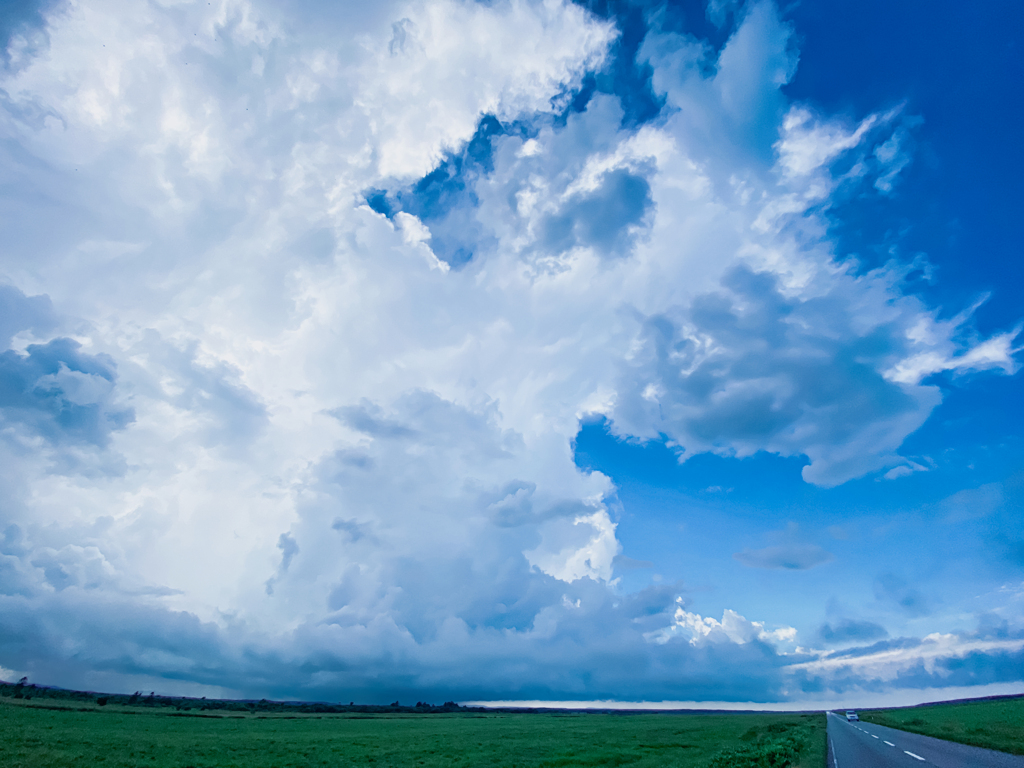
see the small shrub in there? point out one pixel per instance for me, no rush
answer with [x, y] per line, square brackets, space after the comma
[767, 753]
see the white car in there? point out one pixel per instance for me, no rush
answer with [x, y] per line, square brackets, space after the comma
[851, 715]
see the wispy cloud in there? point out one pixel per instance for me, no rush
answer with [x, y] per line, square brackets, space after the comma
[787, 556]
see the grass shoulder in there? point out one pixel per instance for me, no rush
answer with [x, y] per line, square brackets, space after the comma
[991, 723]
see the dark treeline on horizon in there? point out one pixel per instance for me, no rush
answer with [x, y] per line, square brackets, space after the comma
[25, 690]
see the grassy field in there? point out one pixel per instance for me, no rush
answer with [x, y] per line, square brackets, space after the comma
[994, 724]
[38, 735]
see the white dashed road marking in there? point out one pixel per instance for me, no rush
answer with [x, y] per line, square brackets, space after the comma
[916, 757]
[873, 736]
[890, 744]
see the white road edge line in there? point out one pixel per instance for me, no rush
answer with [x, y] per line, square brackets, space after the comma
[916, 757]
[890, 744]
[832, 746]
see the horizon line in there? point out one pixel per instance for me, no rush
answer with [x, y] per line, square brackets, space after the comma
[859, 700]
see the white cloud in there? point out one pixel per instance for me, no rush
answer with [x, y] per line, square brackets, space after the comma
[415, 90]
[277, 386]
[903, 470]
[568, 556]
[733, 628]
[888, 663]
[995, 352]
[76, 387]
[807, 145]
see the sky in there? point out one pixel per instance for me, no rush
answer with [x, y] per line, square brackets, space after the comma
[522, 350]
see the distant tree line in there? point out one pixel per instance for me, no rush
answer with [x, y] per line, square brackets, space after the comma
[23, 690]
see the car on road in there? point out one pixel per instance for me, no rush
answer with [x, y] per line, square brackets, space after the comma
[851, 715]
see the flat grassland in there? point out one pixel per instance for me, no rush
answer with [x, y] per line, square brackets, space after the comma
[993, 724]
[36, 735]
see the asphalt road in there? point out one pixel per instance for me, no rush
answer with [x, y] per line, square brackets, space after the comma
[864, 745]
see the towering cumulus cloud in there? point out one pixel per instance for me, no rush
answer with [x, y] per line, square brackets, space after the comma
[301, 315]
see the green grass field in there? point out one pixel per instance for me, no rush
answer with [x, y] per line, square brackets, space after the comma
[994, 724]
[38, 735]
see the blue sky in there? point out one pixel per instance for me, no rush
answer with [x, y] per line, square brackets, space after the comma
[531, 351]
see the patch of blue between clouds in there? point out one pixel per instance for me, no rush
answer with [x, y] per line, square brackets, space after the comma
[20, 16]
[710, 22]
[621, 76]
[851, 541]
[656, 464]
[766, 481]
[444, 199]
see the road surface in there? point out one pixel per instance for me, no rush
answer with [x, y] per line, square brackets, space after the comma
[864, 745]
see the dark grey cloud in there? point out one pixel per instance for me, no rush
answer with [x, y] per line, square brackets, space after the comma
[912, 663]
[894, 590]
[61, 393]
[354, 530]
[289, 549]
[121, 642]
[33, 384]
[624, 563]
[976, 668]
[113, 633]
[19, 312]
[747, 368]
[514, 506]
[430, 419]
[609, 218]
[785, 556]
[851, 631]
[13, 539]
[993, 625]
[368, 419]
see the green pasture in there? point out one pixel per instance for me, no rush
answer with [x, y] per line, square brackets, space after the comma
[40, 734]
[994, 724]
